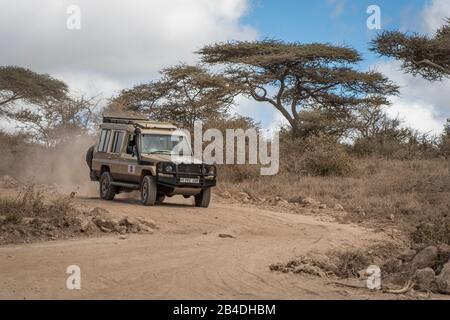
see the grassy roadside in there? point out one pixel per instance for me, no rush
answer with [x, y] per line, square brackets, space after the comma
[398, 192]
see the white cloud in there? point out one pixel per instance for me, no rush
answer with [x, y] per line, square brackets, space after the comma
[421, 104]
[434, 14]
[120, 42]
[417, 115]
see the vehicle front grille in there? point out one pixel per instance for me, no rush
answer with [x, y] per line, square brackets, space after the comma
[190, 168]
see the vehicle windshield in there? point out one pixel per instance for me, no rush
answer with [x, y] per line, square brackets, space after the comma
[165, 144]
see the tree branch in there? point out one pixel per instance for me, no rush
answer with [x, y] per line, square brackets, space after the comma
[433, 65]
[279, 107]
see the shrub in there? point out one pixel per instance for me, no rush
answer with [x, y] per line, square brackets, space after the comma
[30, 203]
[325, 157]
[349, 262]
[433, 232]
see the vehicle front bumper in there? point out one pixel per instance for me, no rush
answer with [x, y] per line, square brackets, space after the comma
[174, 181]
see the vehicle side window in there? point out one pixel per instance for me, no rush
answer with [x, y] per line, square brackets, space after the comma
[104, 140]
[117, 142]
[101, 141]
[130, 144]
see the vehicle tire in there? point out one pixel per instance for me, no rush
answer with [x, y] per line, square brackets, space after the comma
[90, 156]
[107, 191]
[203, 199]
[160, 198]
[148, 191]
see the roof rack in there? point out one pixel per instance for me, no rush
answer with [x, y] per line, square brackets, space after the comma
[141, 122]
[124, 120]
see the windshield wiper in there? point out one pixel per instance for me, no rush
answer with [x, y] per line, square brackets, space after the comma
[161, 151]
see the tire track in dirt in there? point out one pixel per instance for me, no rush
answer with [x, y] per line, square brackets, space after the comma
[185, 258]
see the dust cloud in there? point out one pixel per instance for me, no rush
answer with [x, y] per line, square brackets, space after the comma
[63, 167]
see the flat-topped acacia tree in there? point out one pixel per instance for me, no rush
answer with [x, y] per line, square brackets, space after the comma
[421, 55]
[20, 84]
[184, 94]
[295, 77]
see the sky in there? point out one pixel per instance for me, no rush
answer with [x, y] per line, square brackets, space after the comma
[123, 43]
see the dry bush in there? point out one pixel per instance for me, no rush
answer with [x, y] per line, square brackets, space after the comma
[30, 217]
[238, 173]
[433, 232]
[392, 141]
[316, 156]
[349, 262]
[30, 203]
[324, 157]
[409, 191]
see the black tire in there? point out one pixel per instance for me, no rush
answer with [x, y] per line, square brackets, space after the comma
[107, 191]
[90, 156]
[148, 191]
[160, 198]
[203, 199]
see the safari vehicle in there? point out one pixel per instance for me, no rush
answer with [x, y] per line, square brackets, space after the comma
[137, 154]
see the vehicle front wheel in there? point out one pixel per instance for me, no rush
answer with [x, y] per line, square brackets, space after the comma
[107, 191]
[203, 199]
[148, 191]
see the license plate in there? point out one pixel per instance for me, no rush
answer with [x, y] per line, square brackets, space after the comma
[189, 180]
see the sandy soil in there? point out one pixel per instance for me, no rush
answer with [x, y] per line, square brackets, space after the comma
[185, 258]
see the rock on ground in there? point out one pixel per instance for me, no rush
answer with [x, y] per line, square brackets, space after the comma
[392, 265]
[407, 255]
[425, 258]
[443, 280]
[425, 279]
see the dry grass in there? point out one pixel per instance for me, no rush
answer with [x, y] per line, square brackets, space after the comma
[30, 217]
[408, 191]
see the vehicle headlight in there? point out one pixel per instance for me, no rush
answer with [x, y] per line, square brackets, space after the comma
[168, 168]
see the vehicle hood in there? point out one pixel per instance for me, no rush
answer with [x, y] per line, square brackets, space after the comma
[170, 158]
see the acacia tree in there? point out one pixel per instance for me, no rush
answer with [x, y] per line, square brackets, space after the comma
[295, 77]
[421, 55]
[184, 94]
[57, 121]
[19, 84]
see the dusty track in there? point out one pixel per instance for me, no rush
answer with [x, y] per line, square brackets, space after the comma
[184, 259]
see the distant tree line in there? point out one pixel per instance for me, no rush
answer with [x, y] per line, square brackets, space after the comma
[317, 88]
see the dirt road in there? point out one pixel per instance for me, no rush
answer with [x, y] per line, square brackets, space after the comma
[184, 259]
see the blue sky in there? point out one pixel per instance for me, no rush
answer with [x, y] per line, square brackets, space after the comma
[336, 22]
[421, 105]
